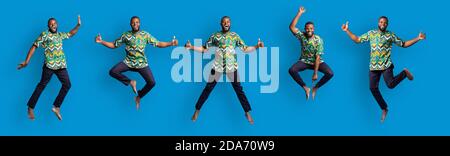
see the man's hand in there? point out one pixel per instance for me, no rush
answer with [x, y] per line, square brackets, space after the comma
[421, 36]
[98, 39]
[174, 41]
[188, 45]
[79, 20]
[301, 10]
[314, 78]
[260, 43]
[345, 27]
[22, 65]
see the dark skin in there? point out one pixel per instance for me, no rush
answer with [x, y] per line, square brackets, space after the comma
[53, 28]
[309, 33]
[135, 27]
[135, 24]
[382, 27]
[225, 23]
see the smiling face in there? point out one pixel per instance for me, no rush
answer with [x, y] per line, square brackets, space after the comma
[309, 30]
[52, 25]
[225, 23]
[135, 24]
[383, 24]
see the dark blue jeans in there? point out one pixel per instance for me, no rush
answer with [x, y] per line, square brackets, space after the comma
[47, 74]
[390, 80]
[301, 66]
[212, 81]
[146, 73]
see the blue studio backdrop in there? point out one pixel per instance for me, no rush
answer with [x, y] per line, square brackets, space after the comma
[97, 104]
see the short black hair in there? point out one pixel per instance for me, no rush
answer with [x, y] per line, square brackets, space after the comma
[134, 18]
[384, 18]
[309, 22]
[50, 19]
[224, 17]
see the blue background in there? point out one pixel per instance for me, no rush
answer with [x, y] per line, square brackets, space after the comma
[100, 105]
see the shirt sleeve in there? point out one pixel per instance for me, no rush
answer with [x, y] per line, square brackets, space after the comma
[298, 34]
[240, 43]
[397, 41]
[64, 35]
[320, 47]
[38, 42]
[210, 42]
[118, 42]
[364, 37]
[152, 40]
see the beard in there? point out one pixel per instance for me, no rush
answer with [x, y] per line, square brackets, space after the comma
[53, 30]
[309, 34]
[226, 29]
[383, 29]
[135, 29]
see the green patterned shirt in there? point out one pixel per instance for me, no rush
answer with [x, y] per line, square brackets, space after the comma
[135, 46]
[310, 48]
[53, 50]
[225, 56]
[380, 48]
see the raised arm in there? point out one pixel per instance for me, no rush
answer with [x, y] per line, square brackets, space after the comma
[200, 49]
[295, 20]
[27, 60]
[352, 36]
[75, 29]
[415, 40]
[98, 39]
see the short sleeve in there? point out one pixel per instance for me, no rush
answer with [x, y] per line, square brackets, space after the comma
[64, 35]
[38, 42]
[320, 47]
[210, 42]
[152, 40]
[118, 42]
[397, 41]
[240, 43]
[364, 37]
[298, 34]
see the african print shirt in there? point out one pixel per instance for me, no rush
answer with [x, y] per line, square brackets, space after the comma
[225, 56]
[380, 48]
[53, 50]
[310, 48]
[134, 46]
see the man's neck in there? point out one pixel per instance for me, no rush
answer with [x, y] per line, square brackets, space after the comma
[379, 30]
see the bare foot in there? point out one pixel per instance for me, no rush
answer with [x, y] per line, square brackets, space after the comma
[57, 112]
[383, 115]
[195, 116]
[249, 118]
[137, 99]
[133, 86]
[314, 90]
[408, 74]
[30, 113]
[307, 90]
